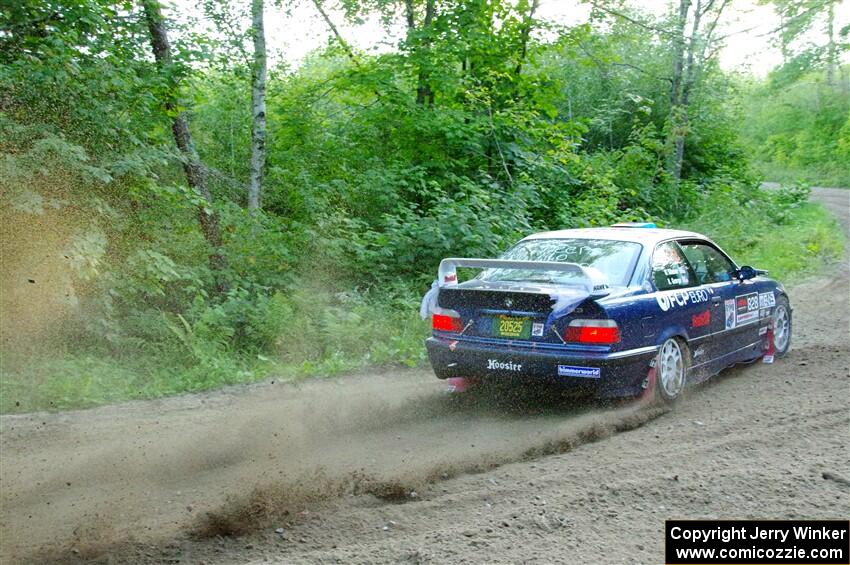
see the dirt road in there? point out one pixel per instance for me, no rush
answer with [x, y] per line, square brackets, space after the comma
[386, 468]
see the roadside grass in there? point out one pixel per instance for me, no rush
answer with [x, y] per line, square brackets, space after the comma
[795, 245]
[798, 249]
[80, 380]
[343, 342]
[327, 337]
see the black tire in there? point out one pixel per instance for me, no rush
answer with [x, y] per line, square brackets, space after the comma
[782, 327]
[671, 370]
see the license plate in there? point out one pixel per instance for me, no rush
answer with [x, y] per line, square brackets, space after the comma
[510, 326]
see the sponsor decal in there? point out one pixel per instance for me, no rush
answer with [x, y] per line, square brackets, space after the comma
[495, 364]
[766, 300]
[730, 313]
[699, 352]
[701, 320]
[586, 372]
[765, 313]
[675, 274]
[450, 278]
[762, 330]
[769, 346]
[678, 298]
[537, 329]
[747, 308]
[747, 317]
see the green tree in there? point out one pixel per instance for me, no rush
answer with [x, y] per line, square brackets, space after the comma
[258, 105]
[196, 172]
[798, 18]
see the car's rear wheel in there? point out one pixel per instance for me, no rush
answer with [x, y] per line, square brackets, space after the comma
[671, 369]
[782, 327]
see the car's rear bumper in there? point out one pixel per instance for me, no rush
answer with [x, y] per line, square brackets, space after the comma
[615, 374]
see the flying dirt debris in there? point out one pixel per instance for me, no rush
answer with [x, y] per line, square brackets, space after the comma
[212, 477]
[227, 463]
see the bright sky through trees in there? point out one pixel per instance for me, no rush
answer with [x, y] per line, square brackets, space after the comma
[297, 29]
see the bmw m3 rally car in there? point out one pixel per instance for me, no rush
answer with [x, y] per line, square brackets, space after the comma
[623, 311]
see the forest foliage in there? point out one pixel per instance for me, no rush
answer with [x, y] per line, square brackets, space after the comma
[797, 121]
[799, 128]
[484, 125]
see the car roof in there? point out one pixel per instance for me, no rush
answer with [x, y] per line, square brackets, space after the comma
[646, 236]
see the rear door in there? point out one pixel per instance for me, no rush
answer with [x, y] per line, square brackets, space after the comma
[714, 272]
[686, 307]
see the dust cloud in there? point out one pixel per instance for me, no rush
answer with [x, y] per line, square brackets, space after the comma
[38, 294]
[227, 463]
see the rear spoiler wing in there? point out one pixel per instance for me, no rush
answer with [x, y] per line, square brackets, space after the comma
[590, 280]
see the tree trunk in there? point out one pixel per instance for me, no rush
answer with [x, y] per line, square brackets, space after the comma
[688, 77]
[258, 108]
[424, 92]
[832, 56]
[676, 139]
[525, 35]
[679, 52]
[343, 43]
[196, 173]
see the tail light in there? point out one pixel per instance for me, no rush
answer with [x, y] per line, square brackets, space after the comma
[597, 332]
[446, 320]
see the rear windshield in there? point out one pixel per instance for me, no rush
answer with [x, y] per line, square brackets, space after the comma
[614, 259]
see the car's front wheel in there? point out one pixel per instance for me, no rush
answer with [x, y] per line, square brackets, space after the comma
[782, 327]
[671, 369]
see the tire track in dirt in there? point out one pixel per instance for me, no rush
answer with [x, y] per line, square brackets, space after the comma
[81, 483]
[132, 476]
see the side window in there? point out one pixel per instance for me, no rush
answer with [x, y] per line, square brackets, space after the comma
[709, 264]
[669, 268]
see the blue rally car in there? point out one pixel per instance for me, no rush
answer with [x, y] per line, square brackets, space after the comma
[623, 310]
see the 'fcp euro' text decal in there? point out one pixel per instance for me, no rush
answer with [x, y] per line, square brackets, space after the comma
[678, 298]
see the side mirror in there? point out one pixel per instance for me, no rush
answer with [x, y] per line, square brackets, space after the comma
[746, 272]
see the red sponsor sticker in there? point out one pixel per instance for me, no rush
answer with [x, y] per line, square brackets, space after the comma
[742, 302]
[702, 319]
[450, 278]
